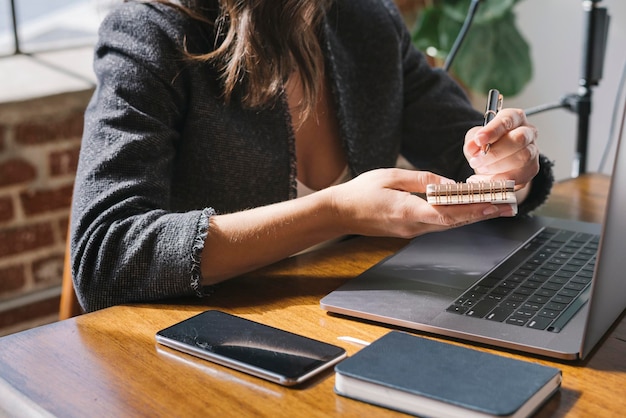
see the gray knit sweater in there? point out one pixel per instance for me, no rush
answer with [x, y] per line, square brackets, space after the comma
[161, 151]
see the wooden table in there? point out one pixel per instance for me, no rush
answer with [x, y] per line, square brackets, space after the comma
[107, 363]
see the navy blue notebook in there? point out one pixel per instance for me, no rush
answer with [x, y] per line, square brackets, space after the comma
[437, 379]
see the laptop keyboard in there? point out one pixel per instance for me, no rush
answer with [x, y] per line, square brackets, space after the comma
[541, 286]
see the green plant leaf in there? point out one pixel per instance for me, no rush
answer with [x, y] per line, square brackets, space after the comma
[426, 31]
[487, 11]
[494, 56]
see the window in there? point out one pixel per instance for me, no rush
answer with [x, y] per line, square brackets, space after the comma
[44, 25]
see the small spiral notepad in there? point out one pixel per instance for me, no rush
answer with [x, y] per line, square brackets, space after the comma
[500, 191]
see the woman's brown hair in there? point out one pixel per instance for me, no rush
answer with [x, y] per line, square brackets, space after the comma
[262, 43]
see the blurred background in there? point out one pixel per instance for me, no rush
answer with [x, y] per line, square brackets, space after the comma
[50, 24]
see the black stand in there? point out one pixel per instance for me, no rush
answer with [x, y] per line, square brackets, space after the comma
[16, 38]
[596, 26]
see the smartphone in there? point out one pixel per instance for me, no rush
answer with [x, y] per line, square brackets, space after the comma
[260, 350]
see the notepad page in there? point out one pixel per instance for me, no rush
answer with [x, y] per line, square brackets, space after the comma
[500, 191]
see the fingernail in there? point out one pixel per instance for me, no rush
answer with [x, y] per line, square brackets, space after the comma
[490, 210]
[513, 209]
[510, 211]
[476, 161]
[480, 138]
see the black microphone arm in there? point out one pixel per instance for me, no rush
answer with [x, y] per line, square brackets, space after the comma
[461, 36]
[596, 27]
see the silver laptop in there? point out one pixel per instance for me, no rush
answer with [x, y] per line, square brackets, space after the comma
[540, 285]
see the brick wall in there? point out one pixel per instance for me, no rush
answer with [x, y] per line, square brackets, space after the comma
[39, 145]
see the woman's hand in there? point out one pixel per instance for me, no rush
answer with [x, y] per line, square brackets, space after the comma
[512, 154]
[381, 203]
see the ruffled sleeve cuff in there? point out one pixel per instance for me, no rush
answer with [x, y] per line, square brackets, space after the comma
[196, 253]
[540, 187]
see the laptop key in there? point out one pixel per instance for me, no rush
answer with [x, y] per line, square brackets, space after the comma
[546, 292]
[539, 322]
[538, 299]
[539, 278]
[457, 309]
[575, 286]
[514, 320]
[502, 290]
[558, 280]
[495, 297]
[576, 262]
[525, 313]
[472, 295]
[470, 302]
[499, 314]
[552, 286]
[516, 297]
[582, 237]
[531, 285]
[565, 274]
[524, 291]
[556, 306]
[509, 284]
[482, 308]
[511, 303]
[531, 306]
[548, 313]
[581, 279]
[562, 299]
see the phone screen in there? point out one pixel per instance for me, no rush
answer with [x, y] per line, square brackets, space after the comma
[271, 353]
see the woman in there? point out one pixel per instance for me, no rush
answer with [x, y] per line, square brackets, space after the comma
[226, 135]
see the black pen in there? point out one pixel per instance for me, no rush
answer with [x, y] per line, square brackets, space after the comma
[494, 104]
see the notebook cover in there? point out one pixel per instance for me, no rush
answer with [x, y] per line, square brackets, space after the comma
[468, 378]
